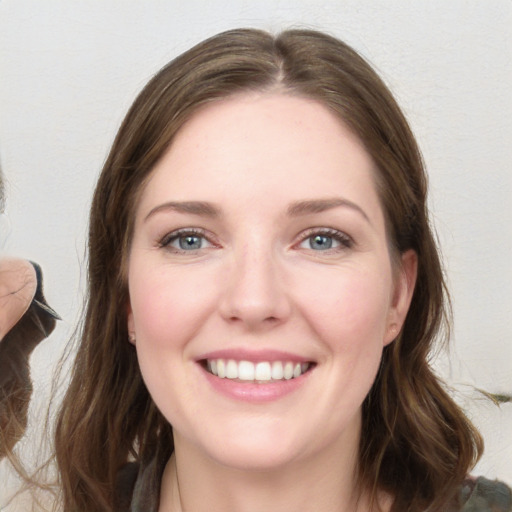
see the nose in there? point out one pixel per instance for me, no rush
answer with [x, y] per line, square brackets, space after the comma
[255, 295]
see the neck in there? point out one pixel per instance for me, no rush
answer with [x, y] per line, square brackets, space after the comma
[324, 483]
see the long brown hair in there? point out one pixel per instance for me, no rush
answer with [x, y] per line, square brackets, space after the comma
[416, 443]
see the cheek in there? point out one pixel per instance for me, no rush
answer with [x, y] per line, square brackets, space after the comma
[167, 309]
[350, 311]
[168, 303]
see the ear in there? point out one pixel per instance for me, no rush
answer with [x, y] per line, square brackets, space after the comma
[405, 281]
[131, 324]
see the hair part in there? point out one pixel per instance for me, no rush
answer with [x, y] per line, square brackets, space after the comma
[416, 443]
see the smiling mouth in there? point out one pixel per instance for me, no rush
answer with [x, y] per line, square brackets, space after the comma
[262, 372]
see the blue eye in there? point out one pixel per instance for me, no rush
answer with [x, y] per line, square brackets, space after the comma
[185, 241]
[190, 242]
[320, 242]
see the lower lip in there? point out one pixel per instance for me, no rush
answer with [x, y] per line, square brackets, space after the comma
[252, 392]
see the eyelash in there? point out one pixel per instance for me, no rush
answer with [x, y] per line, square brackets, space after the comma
[165, 242]
[345, 241]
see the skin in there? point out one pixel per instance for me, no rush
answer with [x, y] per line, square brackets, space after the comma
[259, 281]
[18, 285]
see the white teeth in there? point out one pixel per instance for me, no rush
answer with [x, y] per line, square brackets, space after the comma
[221, 368]
[245, 370]
[288, 371]
[277, 370]
[231, 370]
[263, 371]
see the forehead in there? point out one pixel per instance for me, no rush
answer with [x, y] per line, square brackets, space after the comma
[263, 144]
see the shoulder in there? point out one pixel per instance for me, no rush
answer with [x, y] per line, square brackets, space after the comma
[125, 483]
[484, 495]
[137, 487]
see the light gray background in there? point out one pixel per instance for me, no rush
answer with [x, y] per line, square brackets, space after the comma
[69, 70]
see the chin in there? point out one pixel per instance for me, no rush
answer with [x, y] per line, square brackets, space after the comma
[260, 459]
[253, 449]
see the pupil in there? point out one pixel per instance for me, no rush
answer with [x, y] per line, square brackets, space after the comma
[321, 242]
[190, 242]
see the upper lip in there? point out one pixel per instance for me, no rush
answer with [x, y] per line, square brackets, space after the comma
[254, 356]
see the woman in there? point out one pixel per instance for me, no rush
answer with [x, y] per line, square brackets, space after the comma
[25, 320]
[264, 292]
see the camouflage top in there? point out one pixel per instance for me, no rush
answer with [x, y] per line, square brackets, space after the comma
[483, 495]
[139, 490]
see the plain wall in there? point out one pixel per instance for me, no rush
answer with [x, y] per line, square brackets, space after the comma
[69, 70]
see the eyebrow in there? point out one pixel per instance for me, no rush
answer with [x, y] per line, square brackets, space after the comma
[296, 209]
[201, 208]
[321, 205]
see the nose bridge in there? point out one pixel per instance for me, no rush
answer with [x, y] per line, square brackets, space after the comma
[254, 293]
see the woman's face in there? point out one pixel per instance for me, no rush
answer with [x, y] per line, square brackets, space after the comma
[261, 286]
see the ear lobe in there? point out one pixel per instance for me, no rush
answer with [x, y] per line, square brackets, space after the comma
[131, 324]
[405, 281]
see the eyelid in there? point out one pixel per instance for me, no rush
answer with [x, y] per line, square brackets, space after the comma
[165, 241]
[345, 241]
